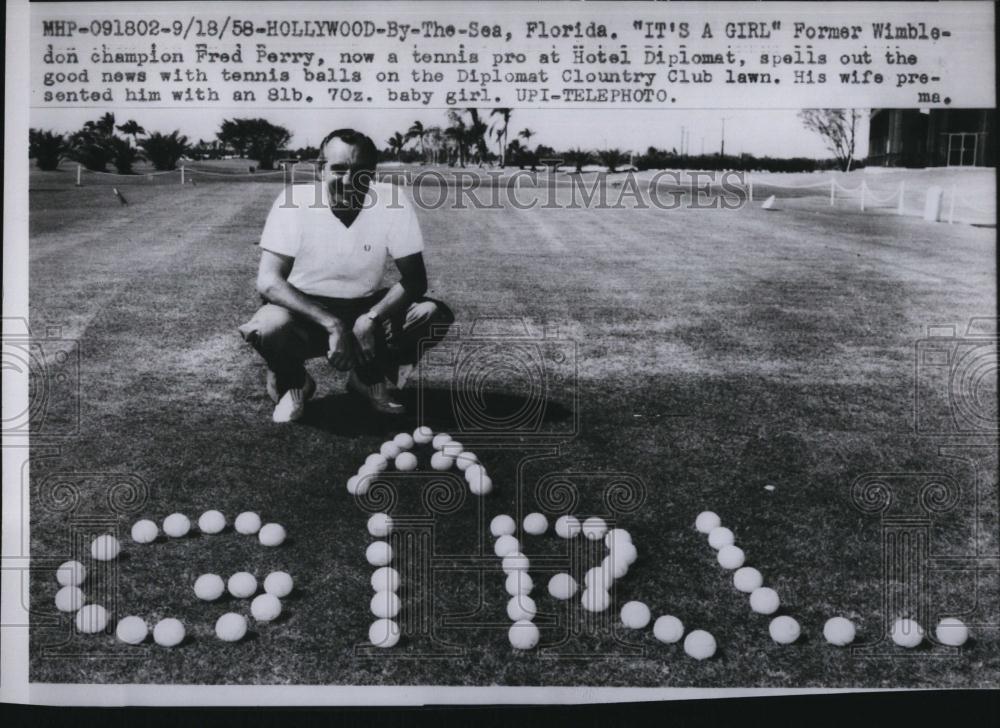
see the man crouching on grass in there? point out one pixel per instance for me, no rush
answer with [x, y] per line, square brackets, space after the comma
[323, 255]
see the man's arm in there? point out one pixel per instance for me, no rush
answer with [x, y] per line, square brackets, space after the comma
[411, 286]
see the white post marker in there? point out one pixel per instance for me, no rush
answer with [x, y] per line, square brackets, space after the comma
[833, 191]
[951, 205]
[79, 174]
[750, 187]
[864, 188]
[902, 192]
[182, 174]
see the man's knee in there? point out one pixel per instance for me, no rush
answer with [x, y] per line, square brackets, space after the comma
[431, 312]
[269, 326]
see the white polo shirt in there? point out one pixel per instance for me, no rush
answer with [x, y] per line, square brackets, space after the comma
[331, 259]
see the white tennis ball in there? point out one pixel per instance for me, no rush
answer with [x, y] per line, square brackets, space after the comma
[518, 582]
[720, 536]
[616, 537]
[764, 600]
[502, 525]
[452, 448]
[440, 461]
[71, 573]
[247, 523]
[535, 524]
[230, 627]
[521, 606]
[515, 562]
[668, 629]
[635, 615]
[405, 462]
[271, 534]
[384, 633]
[616, 568]
[69, 599]
[624, 552]
[279, 583]
[594, 528]
[784, 630]
[706, 522]
[465, 459]
[385, 604]
[523, 634]
[506, 545]
[423, 435]
[209, 587]
[481, 485]
[562, 586]
[211, 522]
[168, 632]
[839, 631]
[385, 578]
[731, 557]
[91, 619]
[358, 485]
[440, 440]
[699, 644]
[747, 579]
[265, 607]
[144, 531]
[951, 632]
[404, 441]
[388, 451]
[378, 553]
[567, 526]
[473, 471]
[242, 584]
[132, 630]
[598, 578]
[380, 525]
[369, 471]
[907, 633]
[595, 600]
[105, 548]
[176, 525]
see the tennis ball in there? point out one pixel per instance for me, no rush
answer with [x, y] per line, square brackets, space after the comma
[247, 523]
[731, 557]
[595, 600]
[385, 578]
[91, 619]
[271, 534]
[784, 630]
[278, 583]
[69, 599]
[907, 633]
[357, 486]
[635, 615]
[168, 632]
[209, 587]
[624, 552]
[523, 634]
[384, 633]
[839, 631]
[951, 632]
[616, 537]
[105, 548]
[423, 435]
[465, 459]
[747, 579]
[617, 569]
[380, 525]
[404, 441]
[521, 607]
[519, 582]
[176, 525]
[502, 526]
[405, 462]
[378, 553]
[506, 545]
[440, 461]
[452, 448]
[265, 607]
[764, 600]
[567, 526]
[562, 586]
[380, 460]
[598, 578]
[706, 522]
[594, 528]
[473, 471]
[71, 573]
[668, 629]
[720, 536]
[440, 440]
[481, 485]
[144, 531]
[132, 630]
[699, 644]
[242, 584]
[230, 627]
[536, 524]
[211, 522]
[385, 604]
[515, 562]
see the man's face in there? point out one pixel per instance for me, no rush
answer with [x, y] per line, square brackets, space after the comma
[345, 174]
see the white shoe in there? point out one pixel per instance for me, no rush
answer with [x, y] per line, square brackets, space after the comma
[403, 374]
[292, 404]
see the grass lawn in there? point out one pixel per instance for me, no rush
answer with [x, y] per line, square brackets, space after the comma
[711, 353]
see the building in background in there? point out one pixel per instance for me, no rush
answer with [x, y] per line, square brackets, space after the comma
[932, 138]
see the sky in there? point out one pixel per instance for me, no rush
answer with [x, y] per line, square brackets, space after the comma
[775, 133]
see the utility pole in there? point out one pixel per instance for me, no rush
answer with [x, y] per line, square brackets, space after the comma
[722, 153]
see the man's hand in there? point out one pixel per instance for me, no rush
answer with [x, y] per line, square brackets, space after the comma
[364, 333]
[341, 351]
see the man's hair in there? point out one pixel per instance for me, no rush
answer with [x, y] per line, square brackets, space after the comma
[363, 143]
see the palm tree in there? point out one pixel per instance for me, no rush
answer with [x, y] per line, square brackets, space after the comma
[105, 126]
[46, 148]
[611, 158]
[164, 150]
[526, 134]
[396, 143]
[458, 132]
[500, 131]
[417, 131]
[434, 138]
[477, 134]
[131, 128]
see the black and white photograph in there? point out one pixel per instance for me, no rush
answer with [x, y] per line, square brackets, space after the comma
[401, 353]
